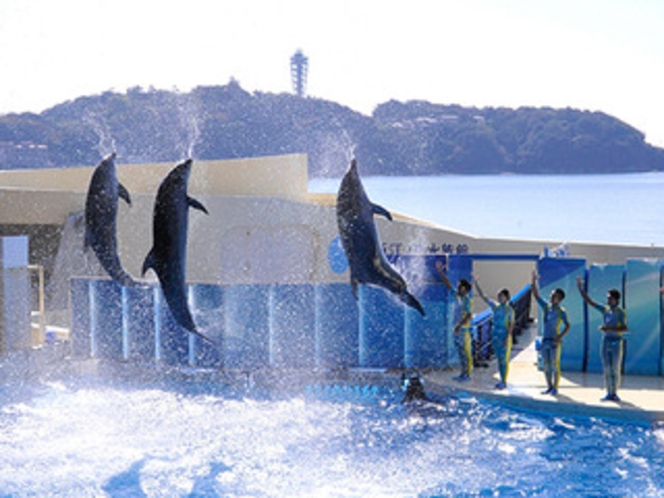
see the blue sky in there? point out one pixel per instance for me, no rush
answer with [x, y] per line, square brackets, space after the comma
[605, 55]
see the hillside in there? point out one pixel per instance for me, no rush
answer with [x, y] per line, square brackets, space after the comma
[412, 138]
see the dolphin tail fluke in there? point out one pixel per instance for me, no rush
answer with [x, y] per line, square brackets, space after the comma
[119, 274]
[411, 301]
[110, 262]
[126, 280]
[182, 316]
[186, 321]
[353, 287]
[204, 338]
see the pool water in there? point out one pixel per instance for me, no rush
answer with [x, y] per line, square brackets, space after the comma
[102, 438]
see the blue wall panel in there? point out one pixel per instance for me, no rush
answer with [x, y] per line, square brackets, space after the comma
[172, 340]
[246, 326]
[337, 326]
[207, 308]
[562, 273]
[642, 301]
[292, 326]
[425, 340]
[458, 267]
[139, 323]
[305, 326]
[80, 317]
[107, 320]
[381, 329]
[15, 298]
[601, 278]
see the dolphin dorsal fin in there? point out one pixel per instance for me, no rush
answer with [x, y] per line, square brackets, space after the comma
[196, 205]
[123, 193]
[381, 211]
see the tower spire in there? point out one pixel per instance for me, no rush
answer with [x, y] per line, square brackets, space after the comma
[299, 64]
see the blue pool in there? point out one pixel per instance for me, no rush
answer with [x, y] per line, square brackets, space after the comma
[181, 438]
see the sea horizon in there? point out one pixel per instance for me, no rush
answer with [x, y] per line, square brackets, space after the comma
[612, 208]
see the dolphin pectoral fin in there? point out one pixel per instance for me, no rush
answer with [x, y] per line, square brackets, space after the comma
[381, 211]
[196, 205]
[148, 263]
[353, 287]
[123, 193]
[411, 301]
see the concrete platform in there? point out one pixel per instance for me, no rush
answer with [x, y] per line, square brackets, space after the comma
[642, 398]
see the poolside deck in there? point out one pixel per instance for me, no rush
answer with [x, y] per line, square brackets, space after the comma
[579, 393]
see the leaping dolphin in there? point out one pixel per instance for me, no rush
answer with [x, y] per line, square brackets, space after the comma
[359, 238]
[169, 242]
[101, 210]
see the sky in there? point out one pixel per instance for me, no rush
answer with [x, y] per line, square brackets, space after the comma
[597, 55]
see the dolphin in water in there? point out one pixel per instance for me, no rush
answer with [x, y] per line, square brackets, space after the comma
[169, 242]
[101, 210]
[359, 238]
[413, 387]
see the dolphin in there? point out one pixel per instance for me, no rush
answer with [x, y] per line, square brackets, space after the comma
[359, 239]
[414, 388]
[101, 210]
[167, 258]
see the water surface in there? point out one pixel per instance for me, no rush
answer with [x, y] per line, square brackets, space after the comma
[171, 439]
[623, 209]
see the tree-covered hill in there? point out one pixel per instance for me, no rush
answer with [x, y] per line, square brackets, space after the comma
[412, 138]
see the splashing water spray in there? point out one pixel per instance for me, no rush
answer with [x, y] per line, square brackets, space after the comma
[193, 135]
[106, 142]
[189, 122]
[338, 150]
[416, 271]
[347, 143]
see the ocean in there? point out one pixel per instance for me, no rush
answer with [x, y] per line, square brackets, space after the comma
[621, 209]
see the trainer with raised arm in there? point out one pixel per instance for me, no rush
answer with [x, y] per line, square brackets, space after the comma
[502, 327]
[463, 318]
[555, 328]
[613, 327]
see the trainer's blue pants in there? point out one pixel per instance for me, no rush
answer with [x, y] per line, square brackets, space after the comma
[502, 347]
[462, 342]
[551, 360]
[612, 354]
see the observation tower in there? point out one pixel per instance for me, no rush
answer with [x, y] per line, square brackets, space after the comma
[299, 64]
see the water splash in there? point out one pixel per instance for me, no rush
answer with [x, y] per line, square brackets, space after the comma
[415, 271]
[181, 439]
[105, 140]
[187, 110]
[337, 149]
[347, 144]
